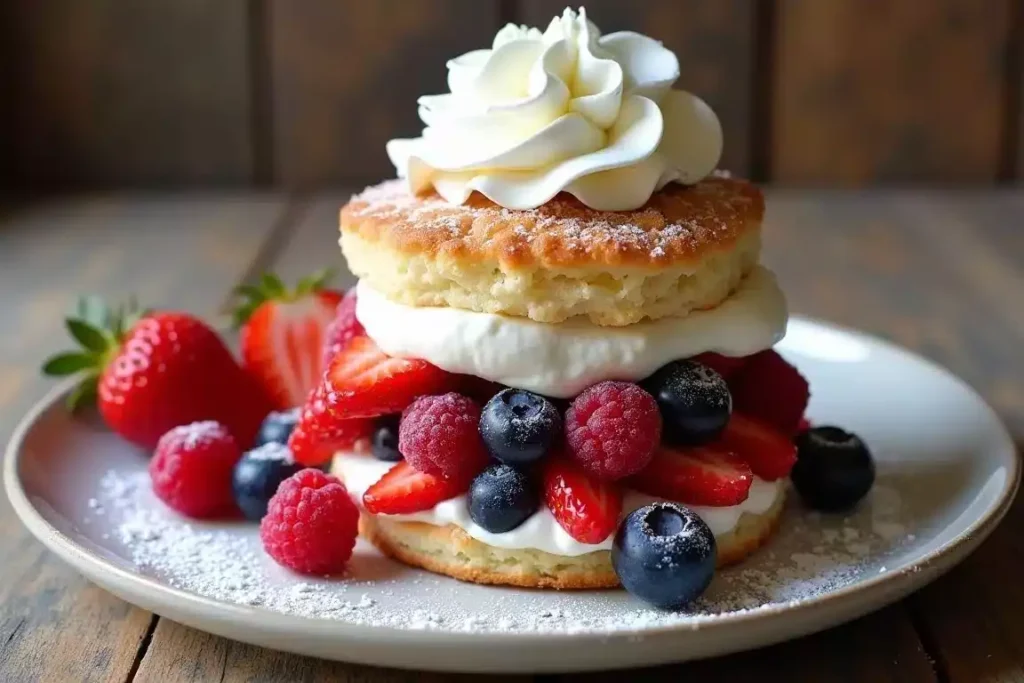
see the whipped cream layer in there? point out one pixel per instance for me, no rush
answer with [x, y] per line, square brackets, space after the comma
[562, 359]
[563, 110]
[541, 531]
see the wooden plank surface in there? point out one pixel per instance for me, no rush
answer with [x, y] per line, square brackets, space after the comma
[889, 91]
[346, 76]
[129, 94]
[54, 625]
[714, 41]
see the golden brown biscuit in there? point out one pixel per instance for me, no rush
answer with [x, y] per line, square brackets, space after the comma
[686, 249]
[451, 551]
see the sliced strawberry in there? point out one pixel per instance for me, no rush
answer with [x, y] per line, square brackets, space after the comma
[363, 381]
[343, 329]
[770, 389]
[723, 365]
[588, 509]
[403, 490]
[708, 475]
[282, 334]
[312, 445]
[770, 453]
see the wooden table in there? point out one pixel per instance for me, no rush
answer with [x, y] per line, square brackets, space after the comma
[939, 272]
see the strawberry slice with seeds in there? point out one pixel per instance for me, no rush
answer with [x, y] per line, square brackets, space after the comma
[723, 365]
[770, 453]
[770, 389]
[588, 509]
[710, 475]
[403, 490]
[363, 381]
[318, 435]
[282, 334]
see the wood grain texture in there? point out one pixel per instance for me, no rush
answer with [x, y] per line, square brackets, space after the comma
[908, 91]
[55, 626]
[713, 40]
[346, 76]
[111, 93]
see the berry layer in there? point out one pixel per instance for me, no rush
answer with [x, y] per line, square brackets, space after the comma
[561, 359]
[541, 531]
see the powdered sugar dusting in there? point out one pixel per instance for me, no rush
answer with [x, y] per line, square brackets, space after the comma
[672, 224]
[272, 451]
[812, 555]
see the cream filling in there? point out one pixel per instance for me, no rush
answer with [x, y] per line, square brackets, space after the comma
[562, 359]
[541, 531]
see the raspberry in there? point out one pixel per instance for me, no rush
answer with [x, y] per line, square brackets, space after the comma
[192, 467]
[343, 329]
[440, 435]
[612, 429]
[311, 524]
[770, 389]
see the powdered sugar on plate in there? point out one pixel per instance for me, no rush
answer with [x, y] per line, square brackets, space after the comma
[812, 554]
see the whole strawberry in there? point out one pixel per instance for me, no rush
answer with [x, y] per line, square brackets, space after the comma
[283, 334]
[151, 372]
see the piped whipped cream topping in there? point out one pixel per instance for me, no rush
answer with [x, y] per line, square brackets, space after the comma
[564, 110]
[541, 531]
[562, 359]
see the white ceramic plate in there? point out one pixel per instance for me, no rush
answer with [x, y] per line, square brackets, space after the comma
[947, 472]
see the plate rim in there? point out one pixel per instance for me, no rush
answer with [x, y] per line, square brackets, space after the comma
[899, 583]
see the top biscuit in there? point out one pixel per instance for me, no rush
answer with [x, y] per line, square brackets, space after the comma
[686, 249]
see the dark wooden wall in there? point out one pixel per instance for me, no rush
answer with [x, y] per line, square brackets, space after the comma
[304, 93]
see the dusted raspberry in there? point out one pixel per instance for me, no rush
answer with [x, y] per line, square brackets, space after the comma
[311, 524]
[440, 435]
[612, 429]
[192, 467]
[343, 329]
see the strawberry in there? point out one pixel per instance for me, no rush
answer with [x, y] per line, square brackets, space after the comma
[708, 475]
[403, 490]
[363, 381]
[587, 508]
[770, 389]
[318, 434]
[723, 365]
[770, 453]
[152, 372]
[344, 328]
[283, 332]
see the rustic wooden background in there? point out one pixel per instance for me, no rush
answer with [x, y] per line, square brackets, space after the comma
[303, 93]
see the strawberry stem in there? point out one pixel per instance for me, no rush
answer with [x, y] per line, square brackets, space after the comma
[249, 297]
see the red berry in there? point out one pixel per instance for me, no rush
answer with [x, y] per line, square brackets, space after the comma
[708, 475]
[440, 435]
[723, 365]
[319, 433]
[612, 429]
[282, 335]
[343, 329]
[152, 373]
[363, 381]
[311, 524]
[804, 425]
[770, 453]
[588, 509]
[191, 469]
[403, 490]
[770, 389]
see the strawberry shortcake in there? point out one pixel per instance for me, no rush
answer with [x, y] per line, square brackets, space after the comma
[557, 368]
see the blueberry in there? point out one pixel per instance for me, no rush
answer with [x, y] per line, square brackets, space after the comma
[257, 476]
[694, 401]
[385, 439]
[519, 427]
[277, 427]
[664, 554]
[502, 497]
[834, 469]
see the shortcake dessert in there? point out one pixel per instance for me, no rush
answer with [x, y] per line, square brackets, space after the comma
[557, 368]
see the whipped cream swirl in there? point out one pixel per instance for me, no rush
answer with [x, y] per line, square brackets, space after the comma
[563, 110]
